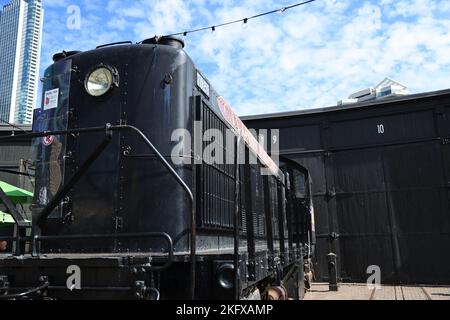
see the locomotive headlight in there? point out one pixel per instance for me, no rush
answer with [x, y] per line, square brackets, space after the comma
[101, 80]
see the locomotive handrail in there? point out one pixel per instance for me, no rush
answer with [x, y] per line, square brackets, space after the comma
[43, 134]
[110, 128]
[35, 240]
[19, 220]
[191, 197]
[26, 293]
[38, 239]
[107, 127]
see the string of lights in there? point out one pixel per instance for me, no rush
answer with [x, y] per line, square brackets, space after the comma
[243, 20]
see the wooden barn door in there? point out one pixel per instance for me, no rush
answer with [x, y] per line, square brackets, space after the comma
[417, 193]
[361, 215]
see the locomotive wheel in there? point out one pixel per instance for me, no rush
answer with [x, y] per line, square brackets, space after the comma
[277, 294]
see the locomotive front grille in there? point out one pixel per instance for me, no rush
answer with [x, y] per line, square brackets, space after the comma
[218, 181]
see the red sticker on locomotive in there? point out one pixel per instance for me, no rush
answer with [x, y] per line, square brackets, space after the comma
[48, 141]
[236, 123]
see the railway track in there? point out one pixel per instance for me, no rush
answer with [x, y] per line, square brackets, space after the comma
[426, 293]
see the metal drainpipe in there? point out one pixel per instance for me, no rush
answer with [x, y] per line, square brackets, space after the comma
[236, 222]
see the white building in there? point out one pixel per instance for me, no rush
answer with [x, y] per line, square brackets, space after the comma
[21, 24]
[387, 88]
[390, 88]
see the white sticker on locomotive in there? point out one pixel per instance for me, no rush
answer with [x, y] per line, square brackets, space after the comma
[43, 196]
[51, 98]
[203, 84]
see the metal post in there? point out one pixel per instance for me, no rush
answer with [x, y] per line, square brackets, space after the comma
[332, 271]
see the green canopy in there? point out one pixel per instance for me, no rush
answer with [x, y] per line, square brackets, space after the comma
[6, 218]
[17, 195]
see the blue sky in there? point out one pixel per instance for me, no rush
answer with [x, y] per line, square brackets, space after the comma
[311, 56]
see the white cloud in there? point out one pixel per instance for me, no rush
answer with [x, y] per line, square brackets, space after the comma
[310, 56]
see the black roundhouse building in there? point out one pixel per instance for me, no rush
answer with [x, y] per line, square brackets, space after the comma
[15, 156]
[15, 165]
[381, 177]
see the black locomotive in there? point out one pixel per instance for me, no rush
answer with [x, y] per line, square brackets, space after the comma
[117, 216]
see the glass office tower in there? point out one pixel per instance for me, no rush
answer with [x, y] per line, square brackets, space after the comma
[21, 24]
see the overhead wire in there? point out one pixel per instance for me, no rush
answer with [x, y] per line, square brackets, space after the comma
[243, 20]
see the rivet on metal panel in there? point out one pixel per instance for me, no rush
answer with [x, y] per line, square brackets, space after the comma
[168, 79]
[127, 150]
[75, 69]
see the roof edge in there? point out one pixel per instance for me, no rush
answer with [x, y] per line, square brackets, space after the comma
[310, 111]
